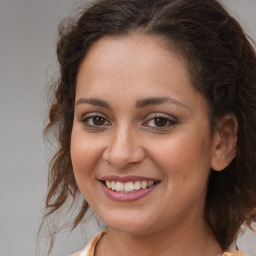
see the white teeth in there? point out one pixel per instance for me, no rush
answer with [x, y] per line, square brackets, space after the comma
[119, 186]
[150, 183]
[137, 185]
[144, 184]
[113, 185]
[108, 183]
[128, 186]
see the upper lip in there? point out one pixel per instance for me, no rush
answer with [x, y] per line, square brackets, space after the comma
[125, 179]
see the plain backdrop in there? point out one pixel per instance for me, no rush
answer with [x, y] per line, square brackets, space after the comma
[28, 34]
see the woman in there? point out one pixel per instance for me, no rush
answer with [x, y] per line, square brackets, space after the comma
[155, 117]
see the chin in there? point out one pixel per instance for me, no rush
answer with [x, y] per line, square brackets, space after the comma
[128, 223]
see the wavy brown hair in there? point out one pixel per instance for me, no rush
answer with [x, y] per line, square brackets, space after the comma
[222, 65]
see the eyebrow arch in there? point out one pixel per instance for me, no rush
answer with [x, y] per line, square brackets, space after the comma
[156, 101]
[93, 101]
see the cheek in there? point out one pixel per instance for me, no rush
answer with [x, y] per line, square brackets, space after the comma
[183, 155]
[84, 154]
[185, 167]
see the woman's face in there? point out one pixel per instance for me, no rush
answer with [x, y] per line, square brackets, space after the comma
[141, 145]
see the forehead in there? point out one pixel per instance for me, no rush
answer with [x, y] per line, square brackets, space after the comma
[133, 59]
[124, 70]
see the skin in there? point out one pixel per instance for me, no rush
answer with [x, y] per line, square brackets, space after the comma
[127, 140]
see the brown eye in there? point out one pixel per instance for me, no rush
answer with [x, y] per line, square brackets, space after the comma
[98, 120]
[95, 121]
[160, 122]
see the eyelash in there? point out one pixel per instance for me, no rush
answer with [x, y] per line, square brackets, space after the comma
[167, 121]
[92, 117]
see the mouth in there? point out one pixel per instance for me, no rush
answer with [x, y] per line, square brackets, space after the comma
[130, 186]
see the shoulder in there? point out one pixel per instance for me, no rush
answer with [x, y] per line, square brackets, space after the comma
[234, 253]
[90, 247]
[75, 254]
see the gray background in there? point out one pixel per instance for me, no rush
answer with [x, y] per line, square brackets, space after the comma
[28, 32]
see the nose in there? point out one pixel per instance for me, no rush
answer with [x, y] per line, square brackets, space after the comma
[124, 149]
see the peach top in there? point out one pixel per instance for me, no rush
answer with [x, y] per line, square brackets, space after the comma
[89, 249]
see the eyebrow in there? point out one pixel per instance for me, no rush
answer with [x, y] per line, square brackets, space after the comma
[93, 101]
[156, 101]
[139, 103]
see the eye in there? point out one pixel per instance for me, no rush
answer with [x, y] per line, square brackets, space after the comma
[160, 122]
[95, 120]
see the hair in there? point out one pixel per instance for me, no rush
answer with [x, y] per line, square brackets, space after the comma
[222, 65]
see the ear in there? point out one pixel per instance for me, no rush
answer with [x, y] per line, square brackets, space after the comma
[224, 147]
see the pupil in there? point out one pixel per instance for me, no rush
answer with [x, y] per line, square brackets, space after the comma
[160, 121]
[98, 120]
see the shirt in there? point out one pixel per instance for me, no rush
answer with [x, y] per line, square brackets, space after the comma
[90, 248]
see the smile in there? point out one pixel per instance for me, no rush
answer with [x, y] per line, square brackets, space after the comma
[128, 186]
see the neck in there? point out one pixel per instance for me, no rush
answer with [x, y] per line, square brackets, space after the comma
[196, 239]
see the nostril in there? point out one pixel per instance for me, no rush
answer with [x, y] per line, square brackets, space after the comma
[122, 157]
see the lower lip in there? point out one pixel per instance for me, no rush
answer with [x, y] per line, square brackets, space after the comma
[129, 196]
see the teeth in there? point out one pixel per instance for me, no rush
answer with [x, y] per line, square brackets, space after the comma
[137, 185]
[113, 185]
[128, 186]
[120, 186]
[108, 183]
[150, 183]
[144, 184]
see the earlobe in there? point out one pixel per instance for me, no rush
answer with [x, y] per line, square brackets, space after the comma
[224, 146]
